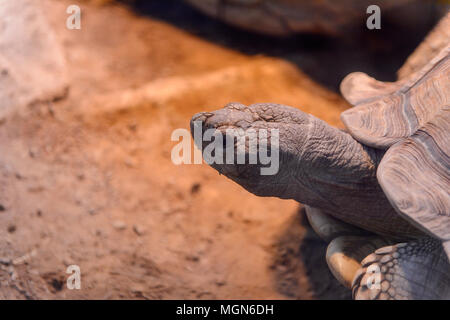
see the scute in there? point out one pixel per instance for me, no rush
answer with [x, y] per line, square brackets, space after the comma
[386, 113]
[415, 176]
[411, 119]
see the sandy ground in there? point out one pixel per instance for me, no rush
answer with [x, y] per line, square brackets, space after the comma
[87, 179]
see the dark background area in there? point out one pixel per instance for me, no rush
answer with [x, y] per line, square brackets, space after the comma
[327, 59]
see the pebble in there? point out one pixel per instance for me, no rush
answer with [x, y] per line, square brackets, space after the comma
[220, 283]
[140, 231]
[119, 225]
[12, 228]
[32, 152]
[192, 258]
[130, 163]
[132, 126]
[195, 188]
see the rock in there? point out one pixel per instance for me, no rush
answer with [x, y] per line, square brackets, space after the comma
[32, 63]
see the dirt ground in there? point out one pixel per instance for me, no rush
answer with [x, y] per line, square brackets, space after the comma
[87, 178]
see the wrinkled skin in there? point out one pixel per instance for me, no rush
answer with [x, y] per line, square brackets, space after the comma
[321, 166]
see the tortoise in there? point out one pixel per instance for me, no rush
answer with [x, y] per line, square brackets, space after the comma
[378, 191]
[286, 17]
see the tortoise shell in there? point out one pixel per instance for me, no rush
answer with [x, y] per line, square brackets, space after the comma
[410, 118]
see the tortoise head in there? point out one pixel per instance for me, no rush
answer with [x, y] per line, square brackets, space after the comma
[252, 145]
[276, 150]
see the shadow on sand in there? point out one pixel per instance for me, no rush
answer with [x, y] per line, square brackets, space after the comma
[327, 60]
[299, 252]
